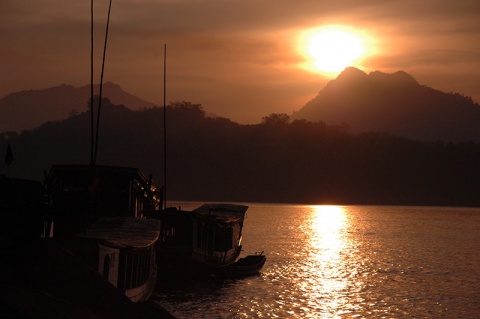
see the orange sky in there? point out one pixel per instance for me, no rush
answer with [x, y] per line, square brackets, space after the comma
[237, 58]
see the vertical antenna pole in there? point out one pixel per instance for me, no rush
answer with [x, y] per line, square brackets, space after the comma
[91, 83]
[165, 126]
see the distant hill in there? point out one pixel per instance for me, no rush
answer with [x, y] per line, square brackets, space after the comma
[396, 104]
[55, 104]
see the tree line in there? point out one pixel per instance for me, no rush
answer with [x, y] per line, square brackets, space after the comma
[278, 160]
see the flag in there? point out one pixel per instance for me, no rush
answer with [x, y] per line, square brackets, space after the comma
[8, 155]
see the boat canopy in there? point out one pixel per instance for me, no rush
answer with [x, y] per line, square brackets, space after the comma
[225, 213]
[125, 231]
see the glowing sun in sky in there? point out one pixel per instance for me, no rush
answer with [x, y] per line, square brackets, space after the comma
[331, 49]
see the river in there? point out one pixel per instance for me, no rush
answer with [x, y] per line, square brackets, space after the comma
[346, 262]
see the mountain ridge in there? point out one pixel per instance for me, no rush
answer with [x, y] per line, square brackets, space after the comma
[56, 103]
[393, 103]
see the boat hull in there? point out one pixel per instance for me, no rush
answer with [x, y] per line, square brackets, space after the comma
[143, 292]
[178, 266]
[247, 266]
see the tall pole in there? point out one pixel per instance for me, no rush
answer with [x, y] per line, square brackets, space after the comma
[101, 84]
[91, 84]
[165, 126]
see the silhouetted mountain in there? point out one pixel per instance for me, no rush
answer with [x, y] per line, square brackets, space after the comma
[29, 109]
[215, 159]
[396, 104]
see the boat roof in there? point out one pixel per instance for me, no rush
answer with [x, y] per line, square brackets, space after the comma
[221, 212]
[125, 231]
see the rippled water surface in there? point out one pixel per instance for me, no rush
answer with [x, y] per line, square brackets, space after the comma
[346, 262]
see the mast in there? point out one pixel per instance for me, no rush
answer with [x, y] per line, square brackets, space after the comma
[165, 126]
[101, 84]
[91, 84]
[94, 130]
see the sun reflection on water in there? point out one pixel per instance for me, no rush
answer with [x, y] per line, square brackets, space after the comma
[325, 275]
[327, 226]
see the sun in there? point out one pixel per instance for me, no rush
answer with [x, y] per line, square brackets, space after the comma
[331, 49]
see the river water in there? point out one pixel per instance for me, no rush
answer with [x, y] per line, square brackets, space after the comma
[346, 262]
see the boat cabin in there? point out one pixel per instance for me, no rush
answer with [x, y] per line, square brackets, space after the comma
[217, 233]
[82, 194]
[205, 238]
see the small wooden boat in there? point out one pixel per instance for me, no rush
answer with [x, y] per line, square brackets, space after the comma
[206, 240]
[246, 266]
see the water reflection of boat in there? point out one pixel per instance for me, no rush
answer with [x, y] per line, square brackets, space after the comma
[205, 240]
[246, 266]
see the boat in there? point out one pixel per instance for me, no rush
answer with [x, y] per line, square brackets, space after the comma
[122, 250]
[98, 214]
[217, 233]
[44, 278]
[203, 241]
[100, 271]
[101, 253]
[246, 266]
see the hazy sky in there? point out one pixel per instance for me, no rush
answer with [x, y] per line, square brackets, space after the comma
[238, 58]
